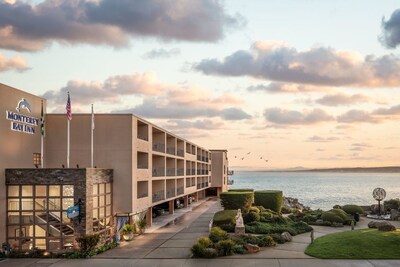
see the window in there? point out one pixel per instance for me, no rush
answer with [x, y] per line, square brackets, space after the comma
[102, 211]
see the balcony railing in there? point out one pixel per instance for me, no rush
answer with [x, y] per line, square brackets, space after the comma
[159, 147]
[198, 157]
[170, 193]
[179, 191]
[180, 172]
[157, 196]
[143, 137]
[180, 152]
[230, 182]
[142, 166]
[171, 172]
[230, 172]
[193, 171]
[157, 172]
[171, 150]
[142, 195]
[188, 172]
[198, 186]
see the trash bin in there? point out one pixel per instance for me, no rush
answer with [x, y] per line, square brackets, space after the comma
[357, 217]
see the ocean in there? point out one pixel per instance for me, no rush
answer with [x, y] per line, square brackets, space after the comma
[322, 190]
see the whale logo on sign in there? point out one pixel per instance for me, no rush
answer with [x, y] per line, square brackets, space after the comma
[23, 103]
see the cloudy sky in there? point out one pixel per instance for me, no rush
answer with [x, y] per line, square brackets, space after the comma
[310, 83]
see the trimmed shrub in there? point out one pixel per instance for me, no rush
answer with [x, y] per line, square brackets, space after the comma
[87, 243]
[239, 249]
[204, 241]
[241, 190]
[266, 241]
[352, 209]
[200, 251]
[224, 217]
[254, 209]
[217, 234]
[225, 247]
[330, 216]
[210, 253]
[341, 213]
[278, 238]
[272, 228]
[251, 217]
[237, 200]
[269, 199]
[392, 204]
[337, 207]
[197, 250]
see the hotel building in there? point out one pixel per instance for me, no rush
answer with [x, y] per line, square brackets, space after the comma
[140, 170]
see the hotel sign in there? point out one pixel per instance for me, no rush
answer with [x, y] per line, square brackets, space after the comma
[20, 122]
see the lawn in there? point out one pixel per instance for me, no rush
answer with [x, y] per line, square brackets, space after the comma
[358, 244]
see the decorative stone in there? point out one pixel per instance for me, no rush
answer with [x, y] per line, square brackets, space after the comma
[377, 224]
[287, 236]
[386, 227]
[252, 248]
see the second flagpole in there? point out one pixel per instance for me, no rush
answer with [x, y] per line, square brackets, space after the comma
[92, 133]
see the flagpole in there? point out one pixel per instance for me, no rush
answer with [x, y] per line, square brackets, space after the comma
[41, 137]
[92, 133]
[68, 144]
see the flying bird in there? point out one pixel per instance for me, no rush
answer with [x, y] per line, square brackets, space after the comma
[248, 153]
[260, 157]
[235, 157]
[266, 160]
[242, 158]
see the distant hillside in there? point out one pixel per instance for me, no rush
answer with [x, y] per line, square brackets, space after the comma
[390, 169]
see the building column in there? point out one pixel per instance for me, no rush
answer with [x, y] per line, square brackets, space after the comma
[186, 201]
[171, 206]
[197, 196]
[149, 216]
[219, 191]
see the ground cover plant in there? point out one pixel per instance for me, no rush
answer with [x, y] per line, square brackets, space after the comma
[357, 244]
[335, 217]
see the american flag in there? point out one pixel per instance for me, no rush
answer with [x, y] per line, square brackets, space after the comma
[68, 108]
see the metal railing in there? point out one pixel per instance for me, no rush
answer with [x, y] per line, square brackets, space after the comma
[230, 172]
[171, 172]
[179, 191]
[230, 182]
[198, 186]
[180, 152]
[157, 172]
[171, 150]
[143, 137]
[143, 166]
[159, 147]
[180, 172]
[193, 171]
[170, 193]
[157, 196]
[142, 195]
[188, 172]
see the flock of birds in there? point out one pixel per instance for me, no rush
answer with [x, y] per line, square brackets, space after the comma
[248, 153]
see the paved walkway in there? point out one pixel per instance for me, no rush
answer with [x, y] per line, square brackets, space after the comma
[170, 246]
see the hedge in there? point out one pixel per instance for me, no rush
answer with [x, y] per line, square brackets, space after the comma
[269, 199]
[241, 190]
[352, 209]
[237, 200]
[335, 215]
[224, 217]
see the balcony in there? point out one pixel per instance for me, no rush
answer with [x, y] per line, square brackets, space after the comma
[180, 152]
[158, 196]
[171, 150]
[193, 172]
[159, 147]
[157, 172]
[230, 172]
[188, 172]
[230, 182]
[180, 172]
[143, 137]
[171, 172]
[198, 186]
[198, 157]
[170, 193]
[179, 191]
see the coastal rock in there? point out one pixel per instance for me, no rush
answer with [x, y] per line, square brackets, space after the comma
[293, 203]
[252, 248]
[287, 236]
[377, 224]
[387, 227]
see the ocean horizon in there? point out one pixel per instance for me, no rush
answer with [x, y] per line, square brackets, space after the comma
[321, 189]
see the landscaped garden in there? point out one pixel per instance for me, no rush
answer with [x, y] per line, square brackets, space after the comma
[357, 244]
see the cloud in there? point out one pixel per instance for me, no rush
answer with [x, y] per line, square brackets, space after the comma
[318, 66]
[356, 116]
[31, 27]
[111, 90]
[395, 110]
[233, 114]
[205, 124]
[162, 53]
[283, 116]
[391, 30]
[319, 139]
[16, 63]
[342, 99]
[277, 87]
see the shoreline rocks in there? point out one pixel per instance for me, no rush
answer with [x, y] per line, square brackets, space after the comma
[293, 203]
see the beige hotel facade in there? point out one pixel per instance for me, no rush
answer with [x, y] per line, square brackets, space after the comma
[140, 169]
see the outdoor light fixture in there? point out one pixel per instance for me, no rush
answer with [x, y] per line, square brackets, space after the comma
[37, 159]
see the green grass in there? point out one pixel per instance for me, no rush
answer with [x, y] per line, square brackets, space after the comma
[358, 244]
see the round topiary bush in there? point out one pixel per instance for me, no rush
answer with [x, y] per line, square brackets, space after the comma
[329, 216]
[251, 217]
[352, 209]
[217, 234]
[225, 247]
[341, 213]
[269, 199]
[237, 200]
